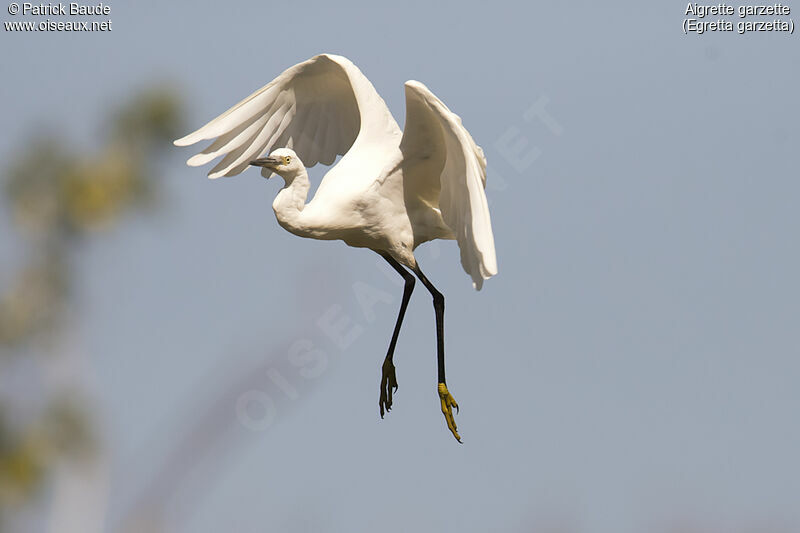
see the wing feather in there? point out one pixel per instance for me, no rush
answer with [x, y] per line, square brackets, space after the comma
[237, 160]
[327, 143]
[445, 168]
[253, 105]
[321, 107]
[229, 141]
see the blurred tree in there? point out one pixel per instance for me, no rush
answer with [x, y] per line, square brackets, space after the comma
[57, 198]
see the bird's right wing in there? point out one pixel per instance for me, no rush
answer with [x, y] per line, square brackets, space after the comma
[445, 168]
[319, 108]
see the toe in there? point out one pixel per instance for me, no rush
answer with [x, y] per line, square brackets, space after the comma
[448, 402]
[388, 385]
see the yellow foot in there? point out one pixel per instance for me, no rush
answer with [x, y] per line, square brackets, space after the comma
[388, 381]
[448, 402]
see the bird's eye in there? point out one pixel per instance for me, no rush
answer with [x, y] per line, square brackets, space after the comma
[287, 159]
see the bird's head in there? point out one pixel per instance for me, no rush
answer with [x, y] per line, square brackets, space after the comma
[283, 162]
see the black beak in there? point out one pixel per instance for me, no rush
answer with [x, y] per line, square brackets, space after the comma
[266, 162]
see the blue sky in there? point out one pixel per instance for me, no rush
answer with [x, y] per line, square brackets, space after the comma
[634, 366]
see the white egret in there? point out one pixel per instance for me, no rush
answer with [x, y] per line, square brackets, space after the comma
[392, 191]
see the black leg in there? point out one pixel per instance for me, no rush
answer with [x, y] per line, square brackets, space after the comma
[438, 308]
[388, 379]
[447, 400]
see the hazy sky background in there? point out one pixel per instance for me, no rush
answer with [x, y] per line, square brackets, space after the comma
[633, 367]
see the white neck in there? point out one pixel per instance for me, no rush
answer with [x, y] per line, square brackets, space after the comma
[289, 204]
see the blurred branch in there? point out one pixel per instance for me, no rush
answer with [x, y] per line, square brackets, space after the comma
[150, 121]
[57, 198]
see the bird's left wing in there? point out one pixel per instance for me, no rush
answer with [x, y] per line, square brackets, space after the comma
[445, 167]
[318, 108]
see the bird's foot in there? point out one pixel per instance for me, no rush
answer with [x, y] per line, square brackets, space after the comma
[388, 382]
[448, 402]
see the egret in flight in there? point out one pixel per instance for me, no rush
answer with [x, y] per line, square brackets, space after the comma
[392, 191]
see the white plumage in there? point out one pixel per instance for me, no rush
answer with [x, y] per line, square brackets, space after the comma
[326, 107]
[391, 191]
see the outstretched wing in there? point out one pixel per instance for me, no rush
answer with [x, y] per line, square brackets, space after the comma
[318, 108]
[446, 169]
